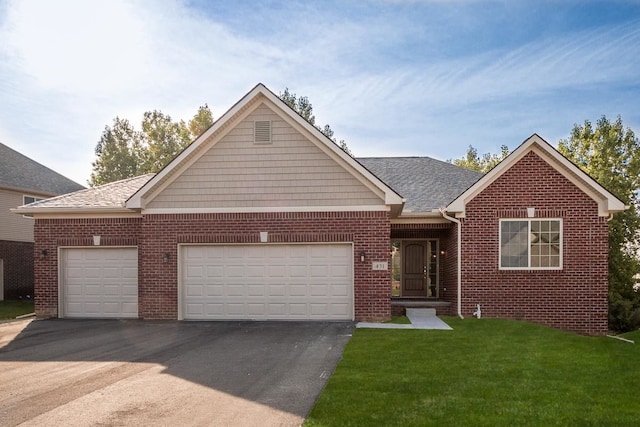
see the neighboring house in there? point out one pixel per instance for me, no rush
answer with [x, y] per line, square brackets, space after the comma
[22, 181]
[263, 217]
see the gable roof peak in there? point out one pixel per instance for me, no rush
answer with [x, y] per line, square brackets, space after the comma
[608, 203]
[212, 135]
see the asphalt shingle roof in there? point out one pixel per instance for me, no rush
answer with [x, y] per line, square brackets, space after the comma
[112, 195]
[424, 182]
[20, 172]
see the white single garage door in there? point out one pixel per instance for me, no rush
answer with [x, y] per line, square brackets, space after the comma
[100, 282]
[267, 282]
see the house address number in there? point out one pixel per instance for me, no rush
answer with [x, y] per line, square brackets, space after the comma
[380, 265]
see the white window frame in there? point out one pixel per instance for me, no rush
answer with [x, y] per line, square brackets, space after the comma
[528, 221]
[35, 199]
[24, 202]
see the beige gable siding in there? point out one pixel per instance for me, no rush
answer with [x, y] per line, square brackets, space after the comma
[14, 227]
[289, 172]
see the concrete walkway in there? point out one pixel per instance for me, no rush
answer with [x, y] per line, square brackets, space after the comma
[421, 318]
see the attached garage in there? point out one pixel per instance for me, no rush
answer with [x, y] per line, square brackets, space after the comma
[99, 282]
[267, 282]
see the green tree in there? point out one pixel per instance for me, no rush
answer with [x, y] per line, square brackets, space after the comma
[118, 153]
[610, 153]
[483, 163]
[164, 139]
[303, 107]
[202, 121]
[123, 152]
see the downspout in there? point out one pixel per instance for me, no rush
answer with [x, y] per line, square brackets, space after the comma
[457, 221]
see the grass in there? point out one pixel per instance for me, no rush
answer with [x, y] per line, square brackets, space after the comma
[402, 320]
[485, 372]
[633, 336]
[13, 309]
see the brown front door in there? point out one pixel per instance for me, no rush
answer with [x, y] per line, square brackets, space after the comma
[419, 272]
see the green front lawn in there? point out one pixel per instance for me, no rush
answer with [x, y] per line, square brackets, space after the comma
[485, 372]
[13, 309]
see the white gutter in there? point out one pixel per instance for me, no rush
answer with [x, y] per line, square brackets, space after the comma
[452, 219]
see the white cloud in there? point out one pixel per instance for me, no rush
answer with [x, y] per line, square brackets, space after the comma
[67, 68]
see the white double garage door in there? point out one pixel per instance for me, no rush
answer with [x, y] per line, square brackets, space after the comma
[217, 282]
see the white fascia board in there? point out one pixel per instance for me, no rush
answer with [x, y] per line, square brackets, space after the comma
[607, 202]
[76, 212]
[420, 220]
[391, 197]
[363, 208]
[135, 201]
[29, 192]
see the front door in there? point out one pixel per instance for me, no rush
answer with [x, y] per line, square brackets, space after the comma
[420, 269]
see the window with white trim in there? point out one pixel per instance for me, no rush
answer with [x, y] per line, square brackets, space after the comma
[530, 244]
[30, 199]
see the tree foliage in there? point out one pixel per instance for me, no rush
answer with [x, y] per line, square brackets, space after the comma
[610, 153]
[124, 152]
[303, 107]
[483, 163]
[118, 153]
[164, 139]
[202, 121]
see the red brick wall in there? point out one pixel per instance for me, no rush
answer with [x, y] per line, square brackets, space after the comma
[50, 234]
[574, 298]
[369, 232]
[18, 269]
[156, 235]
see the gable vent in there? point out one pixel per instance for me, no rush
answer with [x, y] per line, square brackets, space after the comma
[262, 131]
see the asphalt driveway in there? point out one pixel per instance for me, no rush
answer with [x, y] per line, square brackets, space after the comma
[112, 373]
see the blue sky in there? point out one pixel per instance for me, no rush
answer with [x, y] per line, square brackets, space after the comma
[392, 78]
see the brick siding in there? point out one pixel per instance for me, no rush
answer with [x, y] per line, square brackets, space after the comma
[574, 298]
[156, 235]
[18, 269]
[50, 234]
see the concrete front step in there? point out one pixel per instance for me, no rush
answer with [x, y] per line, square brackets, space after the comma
[421, 312]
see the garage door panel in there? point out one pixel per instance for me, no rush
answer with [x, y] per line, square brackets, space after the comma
[319, 290]
[195, 290]
[214, 271]
[215, 309]
[195, 309]
[255, 291]
[339, 290]
[130, 273]
[99, 282]
[277, 309]
[256, 309]
[298, 290]
[235, 290]
[298, 271]
[278, 290]
[235, 271]
[130, 291]
[255, 271]
[298, 310]
[130, 308]
[215, 290]
[279, 282]
[112, 290]
[340, 309]
[276, 271]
